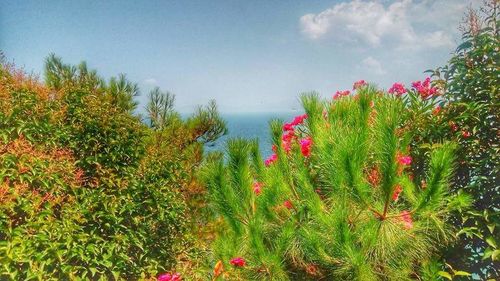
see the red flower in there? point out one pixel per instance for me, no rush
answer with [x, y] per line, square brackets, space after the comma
[169, 277]
[340, 94]
[424, 88]
[398, 89]
[257, 188]
[466, 134]
[305, 146]
[436, 110]
[453, 126]
[271, 159]
[238, 262]
[405, 218]
[218, 269]
[288, 204]
[397, 192]
[374, 177]
[312, 269]
[404, 160]
[359, 84]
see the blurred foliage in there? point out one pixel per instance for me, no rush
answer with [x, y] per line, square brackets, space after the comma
[87, 190]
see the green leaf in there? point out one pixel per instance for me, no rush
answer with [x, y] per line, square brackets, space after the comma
[445, 275]
[491, 241]
[462, 273]
[495, 255]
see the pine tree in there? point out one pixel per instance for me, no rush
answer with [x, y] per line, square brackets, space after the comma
[336, 201]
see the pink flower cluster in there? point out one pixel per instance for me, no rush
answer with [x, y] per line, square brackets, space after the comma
[340, 94]
[397, 89]
[359, 84]
[169, 277]
[288, 138]
[257, 188]
[424, 88]
[305, 146]
[397, 192]
[404, 160]
[271, 159]
[298, 120]
[406, 219]
[238, 262]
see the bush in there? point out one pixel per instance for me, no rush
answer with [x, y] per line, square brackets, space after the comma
[336, 200]
[466, 112]
[87, 193]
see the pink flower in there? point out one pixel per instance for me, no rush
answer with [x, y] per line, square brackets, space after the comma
[466, 134]
[424, 88]
[405, 218]
[299, 119]
[271, 159]
[257, 188]
[398, 89]
[287, 127]
[397, 192]
[340, 94]
[359, 84]
[287, 139]
[288, 204]
[169, 277]
[305, 146]
[238, 262]
[404, 160]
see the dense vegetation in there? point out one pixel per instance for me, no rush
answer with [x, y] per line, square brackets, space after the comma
[469, 115]
[89, 191]
[337, 200]
[397, 184]
[312, 213]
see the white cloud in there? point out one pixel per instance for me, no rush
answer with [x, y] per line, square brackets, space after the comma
[401, 24]
[370, 64]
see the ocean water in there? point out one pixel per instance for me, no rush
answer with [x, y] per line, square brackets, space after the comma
[251, 126]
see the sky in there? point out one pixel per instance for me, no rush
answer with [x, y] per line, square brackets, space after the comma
[250, 56]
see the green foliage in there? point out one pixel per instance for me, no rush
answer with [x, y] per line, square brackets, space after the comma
[470, 117]
[331, 209]
[88, 191]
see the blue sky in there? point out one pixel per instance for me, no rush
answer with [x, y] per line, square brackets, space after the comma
[251, 56]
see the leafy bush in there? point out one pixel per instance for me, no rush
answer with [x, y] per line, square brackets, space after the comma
[467, 112]
[87, 192]
[336, 200]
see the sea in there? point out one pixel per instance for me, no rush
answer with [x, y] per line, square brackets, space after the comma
[251, 126]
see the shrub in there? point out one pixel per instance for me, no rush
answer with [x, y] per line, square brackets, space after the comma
[467, 113]
[336, 200]
[86, 191]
